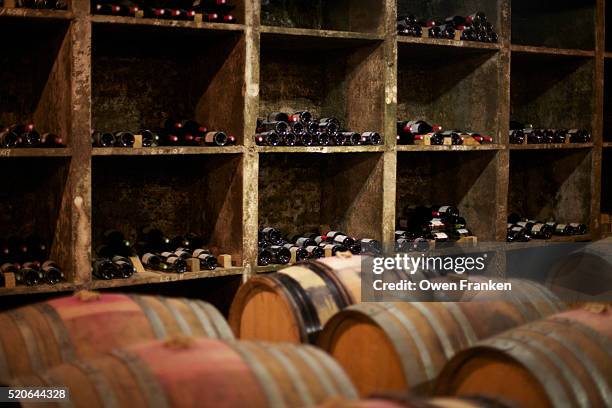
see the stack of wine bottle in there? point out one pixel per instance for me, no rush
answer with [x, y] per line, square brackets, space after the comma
[521, 133]
[156, 251]
[20, 135]
[521, 229]
[171, 133]
[277, 248]
[420, 224]
[474, 27]
[213, 11]
[28, 259]
[41, 4]
[302, 129]
[409, 132]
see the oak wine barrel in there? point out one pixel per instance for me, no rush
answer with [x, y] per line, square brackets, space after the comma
[561, 361]
[198, 372]
[47, 334]
[387, 347]
[292, 305]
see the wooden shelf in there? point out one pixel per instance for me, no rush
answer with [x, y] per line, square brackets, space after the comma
[437, 148]
[342, 60]
[121, 20]
[320, 149]
[556, 239]
[165, 150]
[149, 277]
[36, 152]
[27, 290]
[310, 34]
[401, 40]
[35, 14]
[528, 49]
[551, 146]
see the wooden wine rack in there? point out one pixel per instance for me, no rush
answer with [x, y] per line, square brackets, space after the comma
[343, 59]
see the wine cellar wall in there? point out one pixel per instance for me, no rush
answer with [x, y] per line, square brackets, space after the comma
[76, 72]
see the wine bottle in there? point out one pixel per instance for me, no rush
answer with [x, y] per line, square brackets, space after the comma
[455, 137]
[370, 246]
[8, 267]
[30, 136]
[438, 236]
[271, 235]
[264, 257]
[559, 136]
[436, 139]
[579, 136]
[175, 263]
[155, 262]
[355, 249]
[102, 139]
[104, 269]
[149, 138]
[563, 229]
[124, 268]
[306, 139]
[480, 139]
[350, 138]
[279, 127]
[341, 238]
[517, 136]
[270, 138]
[335, 248]
[28, 275]
[402, 245]
[215, 139]
[303, 117]
[534, 136]
[540, 230]
[458, 233]
[517, 234]
[477, 19]
[434, 224]
[124, 139]
[300, 252]
[298, 128]
[207, 260]
[303, 241]
[323, 139]
[51, 272]
[526, 224]
[447, 31]
[418, 127]
[448, 213]
[330, 128]
[9, 139]
[288, 139]
[314, 251]
[371, 138]
[578, 228]
[469, 34]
